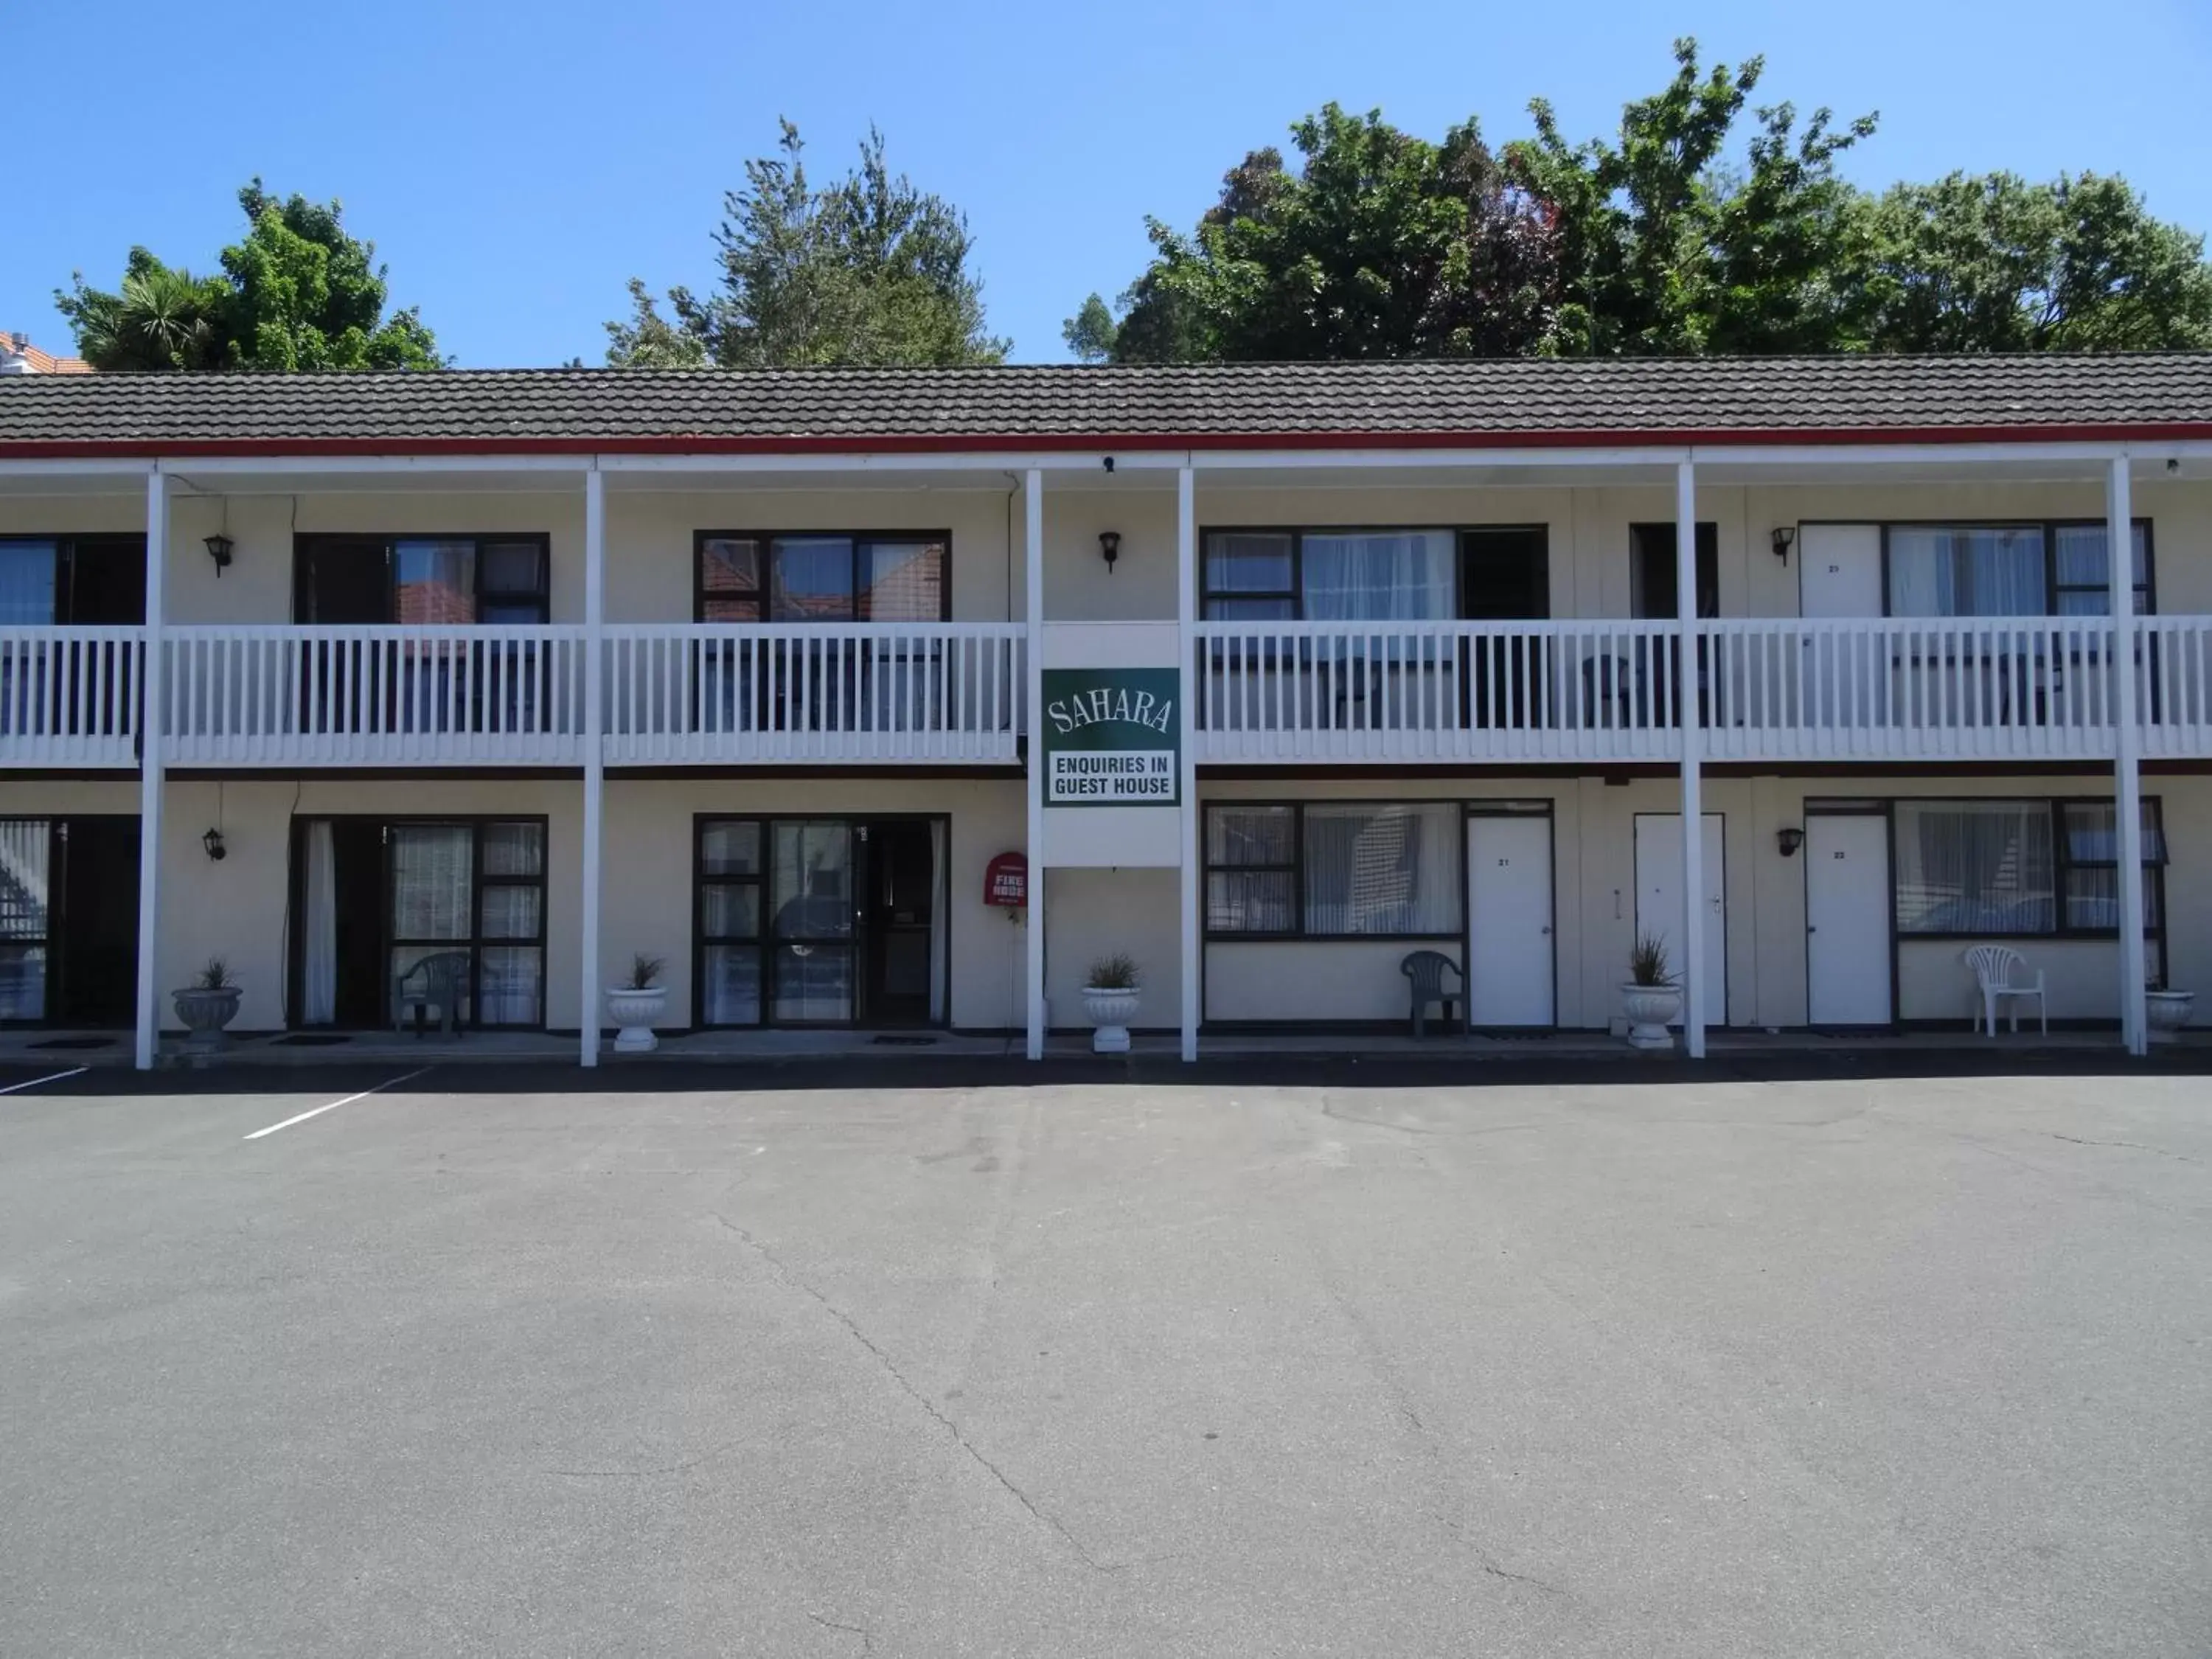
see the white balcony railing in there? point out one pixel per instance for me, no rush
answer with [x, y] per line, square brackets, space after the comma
[1906, 688]
[70, 696]
[2173, 685]
[738, 693]
[374, 695]
[1412, 691]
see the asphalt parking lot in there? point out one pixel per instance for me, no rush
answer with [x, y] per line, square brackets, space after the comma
[918, 1360]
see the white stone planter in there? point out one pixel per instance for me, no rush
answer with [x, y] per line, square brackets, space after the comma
[2167, 1011]
[203, 1014]
[1649, 1008]
[1110, 1010]
[635, 1013]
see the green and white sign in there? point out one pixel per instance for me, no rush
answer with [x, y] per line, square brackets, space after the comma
[1113, 737]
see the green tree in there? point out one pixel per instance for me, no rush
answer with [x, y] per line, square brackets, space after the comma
[296, 292]
[1665, 246]
[1090, 333]
[865, 270]
[1998, 264]
[1381, 245]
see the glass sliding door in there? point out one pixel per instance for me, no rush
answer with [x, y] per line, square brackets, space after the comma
[811, 897]
[511, 925]
[26, 891]
[468, 909]
[433, 886]
[730, 877]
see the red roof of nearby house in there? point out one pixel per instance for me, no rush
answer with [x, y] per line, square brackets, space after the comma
[41, 363]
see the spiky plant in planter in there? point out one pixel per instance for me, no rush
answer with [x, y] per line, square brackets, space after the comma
[1651, 999]
[207, 1005]
[638, 1004]
[1110, 997]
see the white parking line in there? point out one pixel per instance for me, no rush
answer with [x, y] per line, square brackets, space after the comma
[317, 1111]
[36, 1081]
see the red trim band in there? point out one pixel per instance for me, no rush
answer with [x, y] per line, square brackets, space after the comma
[144, 449]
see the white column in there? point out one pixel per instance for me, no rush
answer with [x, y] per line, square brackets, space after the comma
[153, 721]
[1691, 958]
[2127, 771]
[1186, 616]
[1033, 594]
[595, 618]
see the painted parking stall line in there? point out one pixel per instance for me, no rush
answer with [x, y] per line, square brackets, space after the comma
[331, 1106]
[15, 1088]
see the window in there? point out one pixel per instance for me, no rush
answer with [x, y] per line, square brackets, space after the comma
[434, 581]
[2012, 868]
[1329, 576]
[476, 891]
[775, 927]
[25, 892]
[1332, 869]
[730, 906]
[822, 577]
[72, 580]
[2006, 570]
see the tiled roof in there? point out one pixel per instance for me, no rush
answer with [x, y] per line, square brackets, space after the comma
[1491, 401]
[37, 362]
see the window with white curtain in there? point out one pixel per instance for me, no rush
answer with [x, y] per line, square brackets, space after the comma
[1334, 870]
[2007, 868]
[26, 891]
[1330, 575]
[2007, 570]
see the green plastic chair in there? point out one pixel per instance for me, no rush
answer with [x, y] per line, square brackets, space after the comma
[1426, 970]
[441, 978]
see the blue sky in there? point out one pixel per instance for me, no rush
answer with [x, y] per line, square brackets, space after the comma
[516, 164]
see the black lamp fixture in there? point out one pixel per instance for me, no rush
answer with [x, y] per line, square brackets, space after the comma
[1109, 544]
[1785, 536]
[218, 547]
[213, 841]
[1789, 838]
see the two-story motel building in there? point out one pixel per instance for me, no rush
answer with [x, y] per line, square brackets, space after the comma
[536, 670]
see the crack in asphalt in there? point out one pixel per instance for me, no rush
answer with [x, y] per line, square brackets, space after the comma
[867, 1642]
[1043, 1517]
[2136, 1146]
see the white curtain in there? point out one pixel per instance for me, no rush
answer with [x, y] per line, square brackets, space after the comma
[940, 904]
[1966, 570]
[1381, 870]
[26, 846]
[1982, 867]
[1370, 576]
[318, 929]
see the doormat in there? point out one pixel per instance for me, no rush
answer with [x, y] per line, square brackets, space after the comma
[76, 1043]
[891, 1042]
[310, 1040]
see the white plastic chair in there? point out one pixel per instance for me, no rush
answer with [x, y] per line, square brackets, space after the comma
[1995, 970]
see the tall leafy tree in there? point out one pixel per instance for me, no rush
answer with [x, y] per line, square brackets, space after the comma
[866, 270]
[297, 292]
[1381, 245]
[1668, 246]
[1998, 264]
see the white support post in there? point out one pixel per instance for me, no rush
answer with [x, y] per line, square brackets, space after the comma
[1692, 942]
[595, 618]
[1187, 616]
[2127, 771]
[1033, 596]
[153, 722]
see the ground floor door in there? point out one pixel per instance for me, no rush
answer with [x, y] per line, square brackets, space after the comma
[1847, 919]
[96, 983]
[901, 978]
[1509, 972]
[1659, 900]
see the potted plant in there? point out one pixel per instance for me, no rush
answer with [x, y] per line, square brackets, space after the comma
[207, 1005]
[1110, 1000]
[1651, 998]
[636, 1005]
[2167, 1013]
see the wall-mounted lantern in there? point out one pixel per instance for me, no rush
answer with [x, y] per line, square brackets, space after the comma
[213, 841]
[1790, 839]
[218, 547]
[1785, 535]
[1109, 544]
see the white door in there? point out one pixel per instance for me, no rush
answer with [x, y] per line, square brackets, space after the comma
[1659, 900]
[1847, 912]
[1845, 679]
[1509, 897]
